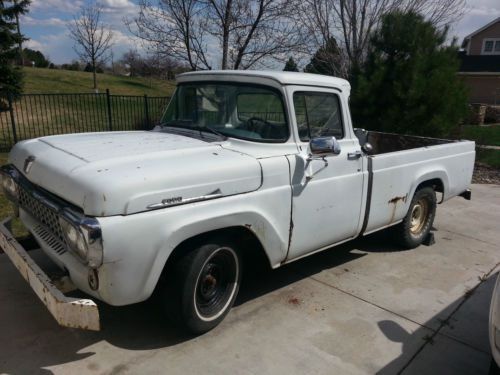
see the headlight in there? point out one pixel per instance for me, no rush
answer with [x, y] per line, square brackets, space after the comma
[9, 186]
[74, 238]
[84, 240]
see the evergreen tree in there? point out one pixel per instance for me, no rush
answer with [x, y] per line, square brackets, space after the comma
[10, 74]
[291, 66]
[36, 56]
[327, 60]
[409, 82]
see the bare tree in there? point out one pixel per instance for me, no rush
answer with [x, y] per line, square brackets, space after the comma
[353, 21]
[93, 40]
[173, 27]
[247, 32]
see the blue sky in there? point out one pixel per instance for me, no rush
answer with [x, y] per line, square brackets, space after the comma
[45, 24]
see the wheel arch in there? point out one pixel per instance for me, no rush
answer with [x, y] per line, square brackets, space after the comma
[249, 239]
[437, 179]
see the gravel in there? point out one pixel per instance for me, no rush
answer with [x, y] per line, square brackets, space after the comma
[484, 174]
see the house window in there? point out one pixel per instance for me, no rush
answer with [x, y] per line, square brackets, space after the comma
[491, 46]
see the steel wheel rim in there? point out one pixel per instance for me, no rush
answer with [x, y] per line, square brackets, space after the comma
[216, 284]
[418, 216]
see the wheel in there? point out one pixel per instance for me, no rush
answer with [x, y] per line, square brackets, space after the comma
[494, 369]
[418, 221]
[203, 285]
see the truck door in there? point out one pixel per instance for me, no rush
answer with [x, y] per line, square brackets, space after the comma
[327, 194]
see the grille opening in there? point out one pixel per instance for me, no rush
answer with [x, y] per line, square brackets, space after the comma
[42, 213]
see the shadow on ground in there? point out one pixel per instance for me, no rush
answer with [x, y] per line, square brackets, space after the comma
[144, 327]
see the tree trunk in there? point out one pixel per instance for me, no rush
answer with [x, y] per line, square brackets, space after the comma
[95, 75]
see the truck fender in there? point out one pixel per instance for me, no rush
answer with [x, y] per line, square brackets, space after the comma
[267, 234]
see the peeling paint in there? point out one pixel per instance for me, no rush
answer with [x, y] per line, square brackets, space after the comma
[394, 201]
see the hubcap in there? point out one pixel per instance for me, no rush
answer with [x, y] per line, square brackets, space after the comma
[419, 214]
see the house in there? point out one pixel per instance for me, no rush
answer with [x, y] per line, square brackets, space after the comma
[480, 64]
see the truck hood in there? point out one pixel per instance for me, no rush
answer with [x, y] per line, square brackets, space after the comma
[121, 173]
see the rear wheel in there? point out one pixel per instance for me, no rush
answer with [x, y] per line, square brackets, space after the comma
[418, 221]
[203, 285]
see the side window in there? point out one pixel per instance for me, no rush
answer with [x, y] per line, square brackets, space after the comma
[318, 115]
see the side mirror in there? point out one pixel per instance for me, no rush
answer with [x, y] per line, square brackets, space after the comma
[323, 146]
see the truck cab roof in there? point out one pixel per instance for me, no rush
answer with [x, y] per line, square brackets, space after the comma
[273, 78]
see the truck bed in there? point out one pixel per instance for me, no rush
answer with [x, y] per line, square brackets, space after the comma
[398, 164]
[383, 143]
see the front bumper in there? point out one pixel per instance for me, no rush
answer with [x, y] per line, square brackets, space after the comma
[68, 312]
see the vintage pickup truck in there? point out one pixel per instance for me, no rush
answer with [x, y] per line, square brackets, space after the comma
[243, 162]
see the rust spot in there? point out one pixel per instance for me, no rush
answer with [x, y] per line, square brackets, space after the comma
[394, 201]
[397, 199]
[294, 301]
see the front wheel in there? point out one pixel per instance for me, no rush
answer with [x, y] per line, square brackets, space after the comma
[204, 286]
[417, 223]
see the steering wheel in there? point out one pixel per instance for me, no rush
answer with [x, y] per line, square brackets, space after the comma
[252, 126]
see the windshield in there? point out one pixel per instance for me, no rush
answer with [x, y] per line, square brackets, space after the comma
[234, 110]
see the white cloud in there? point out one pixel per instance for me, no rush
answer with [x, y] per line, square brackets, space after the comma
[56, 5]
[52, 21]
[33, 44]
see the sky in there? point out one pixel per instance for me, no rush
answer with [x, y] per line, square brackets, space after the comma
[46, 24]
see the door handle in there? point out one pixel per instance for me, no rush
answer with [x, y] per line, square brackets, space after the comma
[354, 155]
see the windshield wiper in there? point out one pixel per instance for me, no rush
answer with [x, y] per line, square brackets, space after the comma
[184, 124]
[207, 129]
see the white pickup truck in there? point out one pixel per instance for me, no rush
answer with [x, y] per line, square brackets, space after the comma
[243, 162]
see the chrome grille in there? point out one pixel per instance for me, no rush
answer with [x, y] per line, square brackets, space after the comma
[42, 213]
[49, 239]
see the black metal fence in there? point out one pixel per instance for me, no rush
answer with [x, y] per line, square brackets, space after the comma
[36, 115]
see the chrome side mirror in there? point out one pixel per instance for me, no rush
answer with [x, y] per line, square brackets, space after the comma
[323, 146]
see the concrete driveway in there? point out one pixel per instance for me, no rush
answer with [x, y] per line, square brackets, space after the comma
[362, 308]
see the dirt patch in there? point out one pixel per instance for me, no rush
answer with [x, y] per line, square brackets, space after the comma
[484, 174]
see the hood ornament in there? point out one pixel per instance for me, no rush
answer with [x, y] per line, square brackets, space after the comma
[28, 163]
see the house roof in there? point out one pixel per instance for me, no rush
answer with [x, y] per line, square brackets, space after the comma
[483, 28]
[479, 63]
[479, 30]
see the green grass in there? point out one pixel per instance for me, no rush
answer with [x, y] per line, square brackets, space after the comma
[39, 80]
[482, 135]
[53, 114]
[488, 156]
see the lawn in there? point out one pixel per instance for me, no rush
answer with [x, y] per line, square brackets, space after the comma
[40, 115]
[39, 80]
[482, 135]
[488, 156]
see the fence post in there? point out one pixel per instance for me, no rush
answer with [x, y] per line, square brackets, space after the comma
[110, 119]
[146, 112]
[12, 119]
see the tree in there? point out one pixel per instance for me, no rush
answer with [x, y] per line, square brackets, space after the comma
[93, 40]
[10, 74]
[354, 20]
[133, 61]
[328, 60]
[248, 32]
[409, 83]
[291, 66]
[36, 56]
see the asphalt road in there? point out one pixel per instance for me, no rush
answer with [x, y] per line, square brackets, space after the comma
[362, 308]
